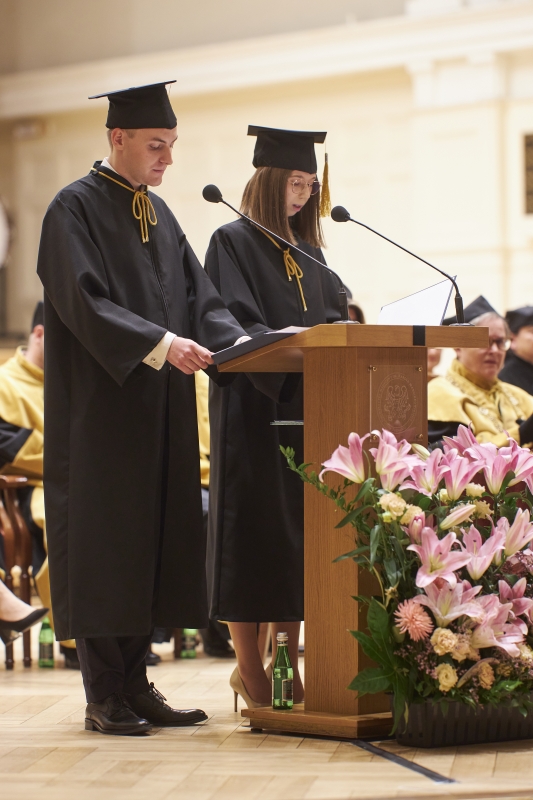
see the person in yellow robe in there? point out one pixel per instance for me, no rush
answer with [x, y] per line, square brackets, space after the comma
[21, 449]
[471, 393]
[215, 637]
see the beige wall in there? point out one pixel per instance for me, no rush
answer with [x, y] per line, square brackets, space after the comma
[429, 152]
[48, 33]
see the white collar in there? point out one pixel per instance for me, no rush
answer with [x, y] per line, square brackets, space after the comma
[105, 163]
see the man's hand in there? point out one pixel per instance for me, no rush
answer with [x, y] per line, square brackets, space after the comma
[188, 356]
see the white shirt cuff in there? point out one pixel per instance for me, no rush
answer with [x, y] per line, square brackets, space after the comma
[157, 357]
[242, 339]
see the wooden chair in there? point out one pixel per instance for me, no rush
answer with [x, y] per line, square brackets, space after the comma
[17, 551]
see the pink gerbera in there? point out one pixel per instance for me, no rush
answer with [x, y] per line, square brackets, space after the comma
[412, 619]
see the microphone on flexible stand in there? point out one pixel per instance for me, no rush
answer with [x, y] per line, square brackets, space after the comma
[340, 214]
[212, 194]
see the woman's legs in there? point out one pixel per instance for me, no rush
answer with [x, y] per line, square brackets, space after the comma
[11, 608]
[293, 631]
[263, 640]
[249, 661]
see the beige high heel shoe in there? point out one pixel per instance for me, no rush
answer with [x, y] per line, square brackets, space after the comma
[239, 688]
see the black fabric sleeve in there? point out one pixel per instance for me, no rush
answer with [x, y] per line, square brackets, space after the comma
[12, 440]
[223, 270]
[525, 430]
[437, 429]
[71, 269]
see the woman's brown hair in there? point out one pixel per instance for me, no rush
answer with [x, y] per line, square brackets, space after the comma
[264, 200]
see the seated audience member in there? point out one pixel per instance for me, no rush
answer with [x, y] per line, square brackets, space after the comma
[215, 637]
[471, 393]
[15, 615]
[434, 356]
[355, 312]
[21, 449]
[518, 367]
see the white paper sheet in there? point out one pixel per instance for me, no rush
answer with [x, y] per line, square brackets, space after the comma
[426, 307]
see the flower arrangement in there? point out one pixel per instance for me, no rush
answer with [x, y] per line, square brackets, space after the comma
[447, 535]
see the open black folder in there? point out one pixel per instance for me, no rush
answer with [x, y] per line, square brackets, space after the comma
[255, 343]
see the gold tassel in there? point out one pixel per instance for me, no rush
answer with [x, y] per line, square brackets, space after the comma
[325, 198]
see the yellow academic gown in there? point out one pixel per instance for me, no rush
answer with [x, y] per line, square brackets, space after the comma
[202, 409]
[22, 406]
[491, 407]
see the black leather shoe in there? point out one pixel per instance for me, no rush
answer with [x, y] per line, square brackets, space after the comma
[152, 659]
[71, 657]
[11, 630]
[7, 635]
[151, 705]
[115, 716]
[215, 645]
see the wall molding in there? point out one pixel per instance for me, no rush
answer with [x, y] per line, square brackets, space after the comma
[353, 48]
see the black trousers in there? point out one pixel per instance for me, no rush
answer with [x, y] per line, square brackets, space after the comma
[113, 664]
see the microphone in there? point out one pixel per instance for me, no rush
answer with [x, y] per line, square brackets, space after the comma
[340, 214]
[212, 194]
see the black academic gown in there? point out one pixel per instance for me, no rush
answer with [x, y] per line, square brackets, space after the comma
[255, 541]
[517, 371]
[121, 465]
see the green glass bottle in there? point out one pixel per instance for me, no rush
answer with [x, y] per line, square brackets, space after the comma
[282, 675]
[188, 643]
[46, 644]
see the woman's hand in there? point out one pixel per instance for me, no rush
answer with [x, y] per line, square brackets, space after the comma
[188, 356]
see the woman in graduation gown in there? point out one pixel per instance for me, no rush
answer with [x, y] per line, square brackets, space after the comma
[255, 549]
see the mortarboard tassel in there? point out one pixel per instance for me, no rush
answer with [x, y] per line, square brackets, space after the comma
[325, 199]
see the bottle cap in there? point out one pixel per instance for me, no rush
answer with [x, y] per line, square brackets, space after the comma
[282, 638]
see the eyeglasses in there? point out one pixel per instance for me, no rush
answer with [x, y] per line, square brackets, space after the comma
[299, 186]
[501, 343]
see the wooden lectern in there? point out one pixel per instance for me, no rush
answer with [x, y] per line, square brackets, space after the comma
[356, 378]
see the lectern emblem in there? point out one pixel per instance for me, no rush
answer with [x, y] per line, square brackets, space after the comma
[394, 402]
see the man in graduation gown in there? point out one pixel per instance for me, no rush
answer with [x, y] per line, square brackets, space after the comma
[21, 450]
[126, 302]
[518, 367]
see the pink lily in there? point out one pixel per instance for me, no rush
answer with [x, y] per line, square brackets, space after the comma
[460, 473]
[447, 602]
[393, 462]
[482, 552]
[518, 534]
[415, 528]
[496, 470]
[427, 476]
[348, 461]
[463, 439]
[459, 514]
[438, 559]
[523, 468]
[515, 595]
[495, 630]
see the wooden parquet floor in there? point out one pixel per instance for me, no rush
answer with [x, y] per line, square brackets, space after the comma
[45, 752]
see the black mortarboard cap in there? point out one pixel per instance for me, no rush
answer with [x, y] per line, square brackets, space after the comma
[476, 308]
[519, 318]
[38, 315]
[285, 149]
[140, 107]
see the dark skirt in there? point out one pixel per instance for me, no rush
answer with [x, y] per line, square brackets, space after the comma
[255, 542]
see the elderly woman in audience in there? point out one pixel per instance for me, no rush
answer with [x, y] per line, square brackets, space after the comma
[471, 393]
